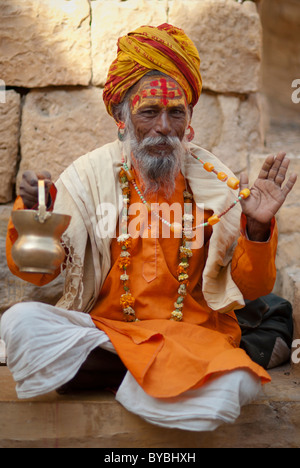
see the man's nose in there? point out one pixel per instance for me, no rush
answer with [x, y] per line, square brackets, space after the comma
[163, 124]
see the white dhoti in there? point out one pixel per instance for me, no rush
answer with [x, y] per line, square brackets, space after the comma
[46, 346]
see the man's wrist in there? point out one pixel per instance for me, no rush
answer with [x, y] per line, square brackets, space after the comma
[258, 232]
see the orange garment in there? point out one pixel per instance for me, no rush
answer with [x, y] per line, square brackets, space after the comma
[165, 357]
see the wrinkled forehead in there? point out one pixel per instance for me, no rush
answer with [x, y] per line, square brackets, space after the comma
[157, 91]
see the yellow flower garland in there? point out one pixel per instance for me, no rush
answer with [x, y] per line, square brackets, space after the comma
[127, 300]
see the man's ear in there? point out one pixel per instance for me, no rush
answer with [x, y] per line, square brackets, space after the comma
[191, 109]
[116, 114]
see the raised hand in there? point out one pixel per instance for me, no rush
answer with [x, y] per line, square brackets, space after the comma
[267, 195]
[29, 187]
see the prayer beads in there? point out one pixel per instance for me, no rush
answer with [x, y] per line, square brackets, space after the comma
[232, 182]
[213, 220]
[245, 193]
[208, 167]
[222, 176]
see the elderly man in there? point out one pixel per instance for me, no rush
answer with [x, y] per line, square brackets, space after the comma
[158, 255]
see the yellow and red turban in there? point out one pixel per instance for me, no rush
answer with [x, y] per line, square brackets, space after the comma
[164, 48]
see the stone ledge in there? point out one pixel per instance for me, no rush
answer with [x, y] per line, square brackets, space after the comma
[93, 420]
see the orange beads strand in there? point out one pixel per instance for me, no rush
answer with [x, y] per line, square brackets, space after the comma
[245, 193]
[232, 182]
[213, 220]
[208, 167]
[222, 176]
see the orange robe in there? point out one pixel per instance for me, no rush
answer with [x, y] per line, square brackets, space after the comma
[168, 358]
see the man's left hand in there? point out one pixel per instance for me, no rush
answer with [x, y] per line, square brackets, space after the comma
[267, 195]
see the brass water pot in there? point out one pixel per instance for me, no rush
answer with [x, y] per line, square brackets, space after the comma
[38, 248]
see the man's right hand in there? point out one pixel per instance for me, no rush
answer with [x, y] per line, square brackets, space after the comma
[29, 187]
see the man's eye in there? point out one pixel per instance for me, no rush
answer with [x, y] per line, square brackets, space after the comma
[178, 112]
[149, 112]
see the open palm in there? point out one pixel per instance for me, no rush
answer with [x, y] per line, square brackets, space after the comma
[268, 192]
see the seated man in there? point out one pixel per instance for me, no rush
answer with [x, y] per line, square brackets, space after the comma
[160, 251]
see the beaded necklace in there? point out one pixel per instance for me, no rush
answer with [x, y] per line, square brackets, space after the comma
[126, 178]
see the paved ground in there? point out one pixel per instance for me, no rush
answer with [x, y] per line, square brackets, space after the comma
[96, 420]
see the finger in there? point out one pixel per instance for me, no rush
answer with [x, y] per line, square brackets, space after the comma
[244, 181]
[30, 178]
[43, 175]
[289, 185]
[29, 202]
[264, 172]
[46, 176]
[27, 189]
[29, 199]
[273, 172]
[28, 195]
[281, 174]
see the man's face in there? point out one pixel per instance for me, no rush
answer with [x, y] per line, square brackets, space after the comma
[159, 116]
[159, 108]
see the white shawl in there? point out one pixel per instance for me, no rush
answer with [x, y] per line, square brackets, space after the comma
[93, 180]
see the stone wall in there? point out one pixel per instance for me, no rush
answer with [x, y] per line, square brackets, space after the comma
[280, 68]
[54, 57]
[281, 41]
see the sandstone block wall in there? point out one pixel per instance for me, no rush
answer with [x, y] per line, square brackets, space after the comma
[10, 113]
[45, 42]
[59, 51]
[218, 31]
[54, 57]
[281, 65]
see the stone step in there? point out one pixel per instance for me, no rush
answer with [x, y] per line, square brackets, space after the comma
[96, 420]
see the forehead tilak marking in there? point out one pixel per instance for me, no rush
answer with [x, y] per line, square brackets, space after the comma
[162, 89]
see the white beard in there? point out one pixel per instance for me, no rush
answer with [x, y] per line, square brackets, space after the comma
[158, 168]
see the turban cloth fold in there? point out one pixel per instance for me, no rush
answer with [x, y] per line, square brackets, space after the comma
[164, 48]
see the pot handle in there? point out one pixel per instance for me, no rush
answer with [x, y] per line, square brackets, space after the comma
[42, 213]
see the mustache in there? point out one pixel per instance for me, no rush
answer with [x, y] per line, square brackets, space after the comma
[171, 142]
